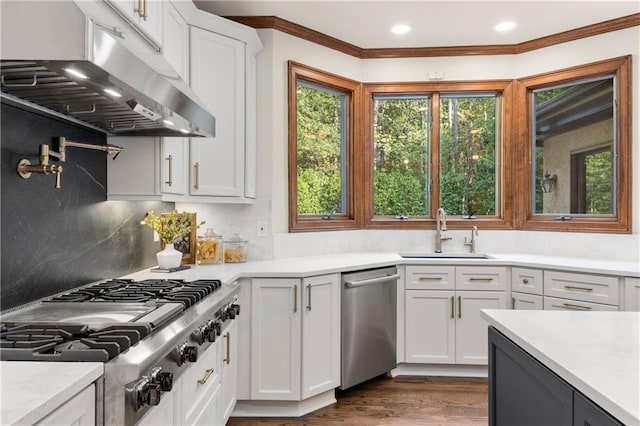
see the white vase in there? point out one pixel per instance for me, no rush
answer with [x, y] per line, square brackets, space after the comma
[169, 257]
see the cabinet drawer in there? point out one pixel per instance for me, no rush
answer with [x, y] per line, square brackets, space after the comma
[198, 383]
[430, 277]
[481, 278]
[554, 304]
[525, 280]
[632, 294]
[522, 301]
[584, 287]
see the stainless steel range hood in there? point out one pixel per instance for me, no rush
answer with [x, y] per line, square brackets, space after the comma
[98, 81]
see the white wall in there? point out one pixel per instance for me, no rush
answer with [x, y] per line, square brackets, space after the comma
[272, 147]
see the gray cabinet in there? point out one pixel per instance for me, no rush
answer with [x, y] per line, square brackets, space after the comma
[522, 391]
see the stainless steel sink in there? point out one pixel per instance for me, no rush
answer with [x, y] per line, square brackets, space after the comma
[445, 256]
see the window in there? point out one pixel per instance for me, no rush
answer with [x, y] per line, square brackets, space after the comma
[576, 139]
[448, 133]
[322, 129]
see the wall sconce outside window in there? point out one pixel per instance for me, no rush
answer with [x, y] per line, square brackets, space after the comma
[549, 183]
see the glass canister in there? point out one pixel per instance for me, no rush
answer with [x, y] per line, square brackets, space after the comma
[235, 250]
[209, 248]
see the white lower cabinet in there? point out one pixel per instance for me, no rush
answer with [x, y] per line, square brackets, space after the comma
[228, 361]
[78, 411]
[444, 326]
[632, 294]
[295, 337]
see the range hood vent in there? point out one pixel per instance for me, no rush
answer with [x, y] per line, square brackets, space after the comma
[108, 88]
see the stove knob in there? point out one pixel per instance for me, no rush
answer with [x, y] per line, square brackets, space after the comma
[153, 394]
[162, 378]
[199, 334]
[217, 326]
[190, 354]
[236, 308]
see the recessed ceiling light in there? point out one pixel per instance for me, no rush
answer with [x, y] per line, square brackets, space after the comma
[400, 29]
[505, 26]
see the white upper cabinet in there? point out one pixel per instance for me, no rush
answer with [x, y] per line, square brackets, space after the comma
[175, 41]
[146, 15]
[218, 79]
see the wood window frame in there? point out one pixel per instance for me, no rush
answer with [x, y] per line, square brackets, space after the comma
[526, 218]
[352, 89]
[505, 170]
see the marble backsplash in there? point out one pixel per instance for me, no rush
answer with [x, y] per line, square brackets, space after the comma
[58, 239]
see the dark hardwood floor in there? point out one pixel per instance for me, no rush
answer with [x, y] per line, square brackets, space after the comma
[400, 401]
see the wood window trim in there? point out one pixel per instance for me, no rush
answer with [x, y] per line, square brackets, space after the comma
[621, 222]
[307, 223]
[505, 163]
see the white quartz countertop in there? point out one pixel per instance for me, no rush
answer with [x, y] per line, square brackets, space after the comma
[598, 353]
[32, 390]
[300, 267]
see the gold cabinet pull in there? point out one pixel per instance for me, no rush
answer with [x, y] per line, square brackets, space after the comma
[207, 373]
[513, 303]
[295, 298]
[140, 9]
[453, 307]
[170, 160]
[227, 337]
[525, 281]
[144, 10]
[309, 296]
[459, 306]
[577, 287]
[480, 279]
[196, 166]
[430, 279]
[574, 306]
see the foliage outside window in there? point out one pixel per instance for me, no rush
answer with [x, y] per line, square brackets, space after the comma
[447, 133]
[322, 130]
[576, 136]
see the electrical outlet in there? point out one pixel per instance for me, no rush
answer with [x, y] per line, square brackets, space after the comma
[261, 230]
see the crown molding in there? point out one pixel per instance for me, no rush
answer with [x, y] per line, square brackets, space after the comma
[291, 28]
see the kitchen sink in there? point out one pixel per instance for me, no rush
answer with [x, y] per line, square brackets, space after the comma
[445, 256]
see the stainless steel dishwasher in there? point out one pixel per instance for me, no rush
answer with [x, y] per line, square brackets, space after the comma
[368, 324]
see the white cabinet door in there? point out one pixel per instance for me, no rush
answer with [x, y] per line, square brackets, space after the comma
[320, 334]
[524, 301]
[632, 294]
[430, 327]
[275, 339]
[471, 329]
[197, 386]
[175, 164]
[229, 372]
[78, 411]
[218, 79]
[175, 41]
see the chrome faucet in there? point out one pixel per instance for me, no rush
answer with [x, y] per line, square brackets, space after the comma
[472, 243]
[441, 226]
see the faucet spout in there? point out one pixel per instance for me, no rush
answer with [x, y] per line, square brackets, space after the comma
[441, 226]
[472, 243]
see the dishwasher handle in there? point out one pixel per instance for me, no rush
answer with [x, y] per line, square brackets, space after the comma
[370, 281]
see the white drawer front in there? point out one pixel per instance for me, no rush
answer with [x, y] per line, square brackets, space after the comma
[525, 280]
[430, 277]
[632, 294]
[523, 301]
[481, 278]
[588, 288]
[198, 383]
[554, 304]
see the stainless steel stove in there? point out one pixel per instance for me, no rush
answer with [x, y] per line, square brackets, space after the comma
[145, 332]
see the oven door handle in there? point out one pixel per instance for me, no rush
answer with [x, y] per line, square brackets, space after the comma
[370, 281]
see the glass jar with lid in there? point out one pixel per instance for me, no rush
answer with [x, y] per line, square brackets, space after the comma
[209, 248]
[235, 250]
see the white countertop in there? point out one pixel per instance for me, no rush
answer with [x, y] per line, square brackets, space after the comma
[32, 390]
[598, 353]
[300, 267]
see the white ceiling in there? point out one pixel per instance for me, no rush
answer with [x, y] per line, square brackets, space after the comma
[367, 23]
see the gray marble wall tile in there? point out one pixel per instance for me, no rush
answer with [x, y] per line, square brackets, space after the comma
[58, 239]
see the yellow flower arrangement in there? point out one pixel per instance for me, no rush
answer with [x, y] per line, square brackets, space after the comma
[171, 226]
